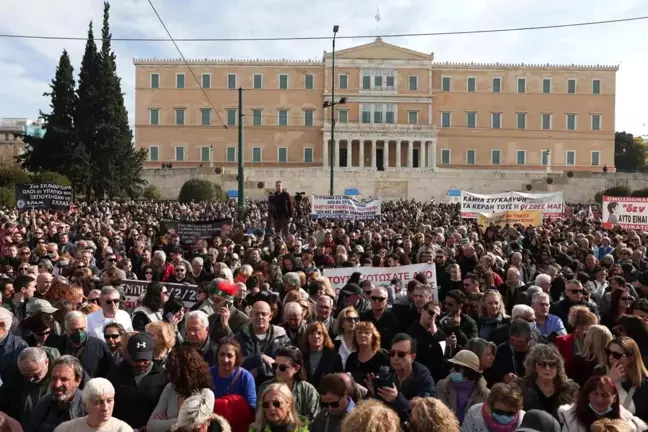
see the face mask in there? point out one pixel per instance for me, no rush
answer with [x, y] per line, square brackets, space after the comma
[503, 419]
[78, 337]
[600, 413]
[456, 377]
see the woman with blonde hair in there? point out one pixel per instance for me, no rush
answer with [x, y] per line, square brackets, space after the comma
[592, 353]
[492, 313]
[345, 326]
[607, 425]
[367, 358]
[580, 319]
[277, 411]
[165, 339]
[431, 415]
[626, 369]
[196, 415]
[371, 416]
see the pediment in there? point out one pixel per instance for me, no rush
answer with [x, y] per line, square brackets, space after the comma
[379, 49]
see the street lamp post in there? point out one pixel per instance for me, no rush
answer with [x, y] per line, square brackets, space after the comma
[332, 106]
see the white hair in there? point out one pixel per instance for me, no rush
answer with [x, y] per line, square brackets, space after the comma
[198, 260]
[226, 274]
[531, 291]
[520, 310]
[108, 290]
[159, 254]
[96, 388]
[34, 355]
[73, 316]
[6, 317]
[201, 316]
[292, 279]
[539, 296]
[196, 410]
[292, 307]
[542, 278]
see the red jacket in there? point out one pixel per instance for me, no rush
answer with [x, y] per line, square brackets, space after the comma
[565, 345]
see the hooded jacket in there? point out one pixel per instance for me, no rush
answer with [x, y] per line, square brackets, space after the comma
[253, 348]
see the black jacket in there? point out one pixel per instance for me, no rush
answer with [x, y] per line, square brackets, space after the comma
[135, 403]
[208, 349]
[561, 309]
[281, 205]
[331, 362]
[95, 357]
[10, 349]
[419, 384]
[506, 362]
[388, 326]
[428, 351]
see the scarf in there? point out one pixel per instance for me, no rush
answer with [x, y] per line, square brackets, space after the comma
[464, 391]
[493, 426]
[487, 324]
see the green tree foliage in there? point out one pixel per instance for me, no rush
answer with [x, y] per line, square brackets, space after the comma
[151, 192]
[619, 191]
[196, 190]
[11, 176]
[7, 197]
[630, 152]
[219, 193]
[640, 193]
[50, 177]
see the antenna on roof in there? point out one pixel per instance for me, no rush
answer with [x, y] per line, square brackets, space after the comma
[377, 18]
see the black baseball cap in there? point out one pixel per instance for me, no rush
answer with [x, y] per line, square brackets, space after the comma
[140, 347]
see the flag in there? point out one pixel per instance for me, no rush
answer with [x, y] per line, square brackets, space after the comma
[590, 213]
[377, 15]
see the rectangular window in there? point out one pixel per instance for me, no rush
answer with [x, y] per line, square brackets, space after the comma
[496, 120]
[546, 85]
[282, 117]
[521, 157]
[308, 117]
[544, 156]
[231, 81]
[180, 116]
[180, 80]
[308, 154]
[231, 116]
[155, 80]
[366, 113]
[282, 154]
[497, 85]
[596, 158]
[571, 86]
[445, 84]
[390, 80]
[596, 86]
[521, 120]
[343, 116]
[257, 117]
[256, 154]
[205, 116]
[308, 82]
[412, 117]
[470, 157]
[378, 81]
[154, 116]
[205, 154]
[179, 154]
[570, 157]
[571, 121]
[344, 82]
[472, 84]
[377, 113]
[389, 115]
[445, 156]
[596, 122]
[495, 157]
[283, 81]
[471, 120]
[258, 81]
[231, 154]
[413, 82]
[446, 119]
[206, 80]
[521, 85]
[546, 121]
[366, 80]
[154, 153]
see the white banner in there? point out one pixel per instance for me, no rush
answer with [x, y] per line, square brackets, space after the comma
[626, 212]
[343, 207]
[550, 204]
[382, 276]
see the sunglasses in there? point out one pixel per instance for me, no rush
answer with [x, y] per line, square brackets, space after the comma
[110, 302]
[43, 333]
[546, 364]
[430, 311]
[503, 413]
[275, 403]
[378, 299]
[23, 269]
[330, 404]
[111, 336]
[400, 354]
[352, 319]
[94, 301]
[616, 355]
[280, 367]
[577, 291]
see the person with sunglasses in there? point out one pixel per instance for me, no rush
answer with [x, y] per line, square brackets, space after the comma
[289, 370]
[575, 295]
[345, 326]
[386, 322]
[626, 369]
[502, 411]
[277, 411]
[425, 330]
[109, 300]
[113, 333]
[335, 404]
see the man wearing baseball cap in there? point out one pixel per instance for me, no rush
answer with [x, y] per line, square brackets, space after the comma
[138, 382]
[224, 318]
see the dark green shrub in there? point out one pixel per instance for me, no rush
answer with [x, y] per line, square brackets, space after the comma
[219, 193]
[10, 176]
[196, 190]
[151, 192]
[619, 191]
[640, 193]
[8, 196]
[50, 177]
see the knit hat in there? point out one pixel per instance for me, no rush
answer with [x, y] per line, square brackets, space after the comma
[223, 288]
[538, 421]
[466, 359]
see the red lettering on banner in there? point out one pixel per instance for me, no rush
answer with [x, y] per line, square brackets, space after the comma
[633, 208]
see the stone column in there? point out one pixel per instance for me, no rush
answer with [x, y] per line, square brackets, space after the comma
[433, 151]
[422, 156]
[386, 154]
[325, 150]
[349, 145]
[361, 154]
[373, 154]
[398, 153]
[337, 153]
[410, 154]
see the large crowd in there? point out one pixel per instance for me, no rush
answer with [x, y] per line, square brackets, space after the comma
[522, 328]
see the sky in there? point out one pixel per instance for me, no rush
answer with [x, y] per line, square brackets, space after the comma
[28, 65]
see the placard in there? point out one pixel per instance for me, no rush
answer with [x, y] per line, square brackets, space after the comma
[512, 217]
[191, 231]
[134, 290]
[550, 205]
[626, 212]
[344, 207]
[43, 196]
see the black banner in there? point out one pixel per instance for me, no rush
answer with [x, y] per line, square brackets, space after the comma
[43, 196]
[190, 231]
[135, 289]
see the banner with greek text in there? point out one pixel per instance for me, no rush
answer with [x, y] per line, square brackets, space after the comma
[382, 276]
[550, 205]
[344, 207]
[135, 289]
[626, 212]
[511, 217]
[190, 231]
[39, 196]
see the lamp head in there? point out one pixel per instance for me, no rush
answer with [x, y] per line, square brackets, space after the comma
[336, 28]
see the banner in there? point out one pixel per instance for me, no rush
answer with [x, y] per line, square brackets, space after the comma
[626, 212]
[512, 217]
[343, 207]
[135, 290]
[549, 204]
[190, 231]
[43, 196]
[382, 276]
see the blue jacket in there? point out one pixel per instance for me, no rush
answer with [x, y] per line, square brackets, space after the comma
[419, 384]
[10, 349]
[47, 415]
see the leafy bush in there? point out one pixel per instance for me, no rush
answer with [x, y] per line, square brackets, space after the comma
[618, 191]
[10, 176]
[640, 193]
[50, 177]
[219, 193]
[7, 196]
[151, 192]
[196, 190]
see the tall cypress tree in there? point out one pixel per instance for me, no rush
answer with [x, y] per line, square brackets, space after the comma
[119, 160]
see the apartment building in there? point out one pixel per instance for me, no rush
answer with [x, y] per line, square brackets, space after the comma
[403, 110]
